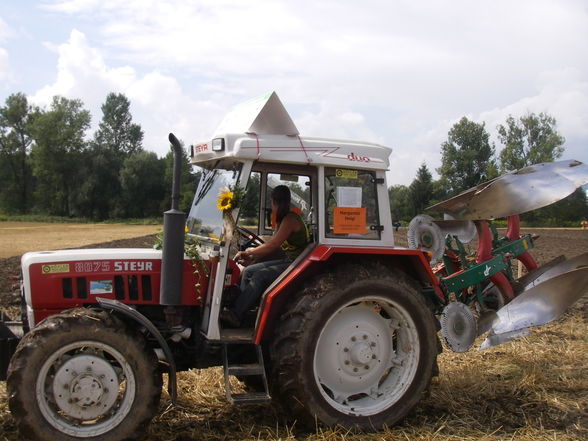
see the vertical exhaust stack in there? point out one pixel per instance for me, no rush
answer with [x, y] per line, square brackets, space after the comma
[174, 222]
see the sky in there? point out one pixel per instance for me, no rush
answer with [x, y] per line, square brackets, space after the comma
[399, 73]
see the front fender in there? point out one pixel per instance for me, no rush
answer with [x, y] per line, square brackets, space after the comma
[129, 312]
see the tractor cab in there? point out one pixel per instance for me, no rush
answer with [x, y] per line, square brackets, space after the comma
[337, 187]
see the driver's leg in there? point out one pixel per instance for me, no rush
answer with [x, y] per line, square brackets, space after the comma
[255, 279]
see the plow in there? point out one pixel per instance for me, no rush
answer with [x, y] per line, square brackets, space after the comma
[485, 292]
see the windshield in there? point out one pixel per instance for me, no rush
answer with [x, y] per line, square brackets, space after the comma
[205, 219]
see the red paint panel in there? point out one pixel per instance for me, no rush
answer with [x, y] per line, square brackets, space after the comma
[47, 286]
[323, 253]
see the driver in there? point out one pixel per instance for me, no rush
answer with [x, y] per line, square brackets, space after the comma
[291, 236]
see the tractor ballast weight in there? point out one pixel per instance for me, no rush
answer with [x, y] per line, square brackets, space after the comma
[347, 334]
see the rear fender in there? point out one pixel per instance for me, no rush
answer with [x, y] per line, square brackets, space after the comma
[412, 262]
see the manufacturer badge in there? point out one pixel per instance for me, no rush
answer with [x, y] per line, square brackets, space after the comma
[55, 269]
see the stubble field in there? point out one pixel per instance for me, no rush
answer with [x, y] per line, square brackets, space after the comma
[535, 388]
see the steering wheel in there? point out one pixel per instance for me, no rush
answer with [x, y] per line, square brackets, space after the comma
[248, 239]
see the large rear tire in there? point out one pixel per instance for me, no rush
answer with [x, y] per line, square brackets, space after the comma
[356, 353]
[83, 375]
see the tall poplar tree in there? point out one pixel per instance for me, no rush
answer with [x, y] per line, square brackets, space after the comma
[57, 154]
[16, 120]
[116, 139]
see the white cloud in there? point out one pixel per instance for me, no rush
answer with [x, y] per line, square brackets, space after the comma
[5, 69]
[563, 94]
[399, 73]
[6, 73]
[158, 102]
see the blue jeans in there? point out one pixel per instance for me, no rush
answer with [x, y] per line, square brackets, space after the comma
[255, 280]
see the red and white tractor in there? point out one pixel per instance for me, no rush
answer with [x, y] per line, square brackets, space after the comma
[346, 335]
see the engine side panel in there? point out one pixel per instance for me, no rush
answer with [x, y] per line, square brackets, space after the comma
[58, 281]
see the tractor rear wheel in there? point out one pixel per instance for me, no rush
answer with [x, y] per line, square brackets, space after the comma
[83, 375]
[358, 353]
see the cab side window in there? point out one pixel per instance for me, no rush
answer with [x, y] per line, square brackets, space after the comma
[351, 204]
[299, 186]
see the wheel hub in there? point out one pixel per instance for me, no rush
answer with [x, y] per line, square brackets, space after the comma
[360, 354]
[85, 387]
[86, 391]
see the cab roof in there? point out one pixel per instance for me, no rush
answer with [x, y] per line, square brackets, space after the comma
[261, 129]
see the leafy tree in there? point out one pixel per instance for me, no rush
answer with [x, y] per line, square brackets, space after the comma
[99, 191]
[567, 212]
[529, 140]
[399, 196]
[16, 119]
[466, 156]
[116, 139]
[420, 191]
[251, 200]
[188, 182]
[57, 154]
[141, 178]
[116, 131]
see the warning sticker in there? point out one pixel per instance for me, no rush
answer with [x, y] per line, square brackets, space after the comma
[347, 174]
[348, 220]
[55, 269]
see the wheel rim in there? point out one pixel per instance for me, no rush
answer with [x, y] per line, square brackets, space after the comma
[85, 389]
[366, 356]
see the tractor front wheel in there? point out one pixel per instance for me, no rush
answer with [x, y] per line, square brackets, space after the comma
[356, 354]
[83, 375]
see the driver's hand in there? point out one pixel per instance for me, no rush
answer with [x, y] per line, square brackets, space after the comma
[244, 258]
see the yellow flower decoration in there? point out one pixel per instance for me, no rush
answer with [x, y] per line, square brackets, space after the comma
[225, 200]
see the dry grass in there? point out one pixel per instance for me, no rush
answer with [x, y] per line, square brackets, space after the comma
[533, 389]
[17, 238]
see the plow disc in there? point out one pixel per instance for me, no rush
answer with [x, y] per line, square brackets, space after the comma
[517, 192]
[543, 300]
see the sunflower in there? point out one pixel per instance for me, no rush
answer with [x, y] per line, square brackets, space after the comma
[225, 200]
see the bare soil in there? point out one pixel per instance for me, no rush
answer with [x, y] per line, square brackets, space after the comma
[535, 388]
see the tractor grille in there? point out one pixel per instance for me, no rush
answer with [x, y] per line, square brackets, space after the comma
[130, 287]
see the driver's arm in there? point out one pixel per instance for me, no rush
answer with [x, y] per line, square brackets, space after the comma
[287, 226]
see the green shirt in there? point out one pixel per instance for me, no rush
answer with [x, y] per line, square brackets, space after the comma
[297, 240]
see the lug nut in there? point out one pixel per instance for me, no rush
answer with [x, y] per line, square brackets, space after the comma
[353, 338]
[365, 337]
[345, 349]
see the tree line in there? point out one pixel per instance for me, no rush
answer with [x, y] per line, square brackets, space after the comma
[48, 166]
[469, 158]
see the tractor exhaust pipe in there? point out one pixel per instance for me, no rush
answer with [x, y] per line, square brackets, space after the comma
[174, 221]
